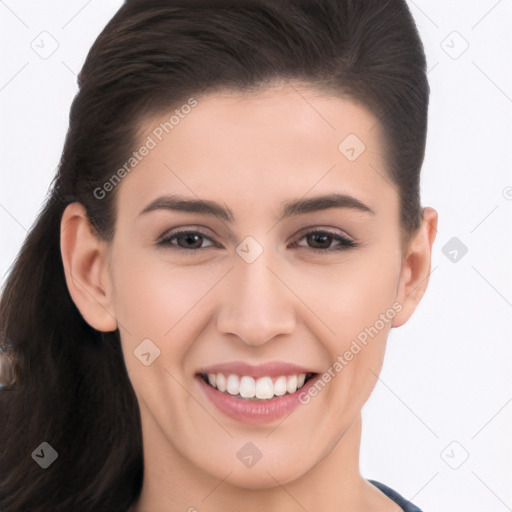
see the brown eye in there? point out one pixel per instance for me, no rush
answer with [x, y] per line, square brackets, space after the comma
[190, 240]
[322, 241]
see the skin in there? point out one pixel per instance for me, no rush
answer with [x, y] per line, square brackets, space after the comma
[252, 152]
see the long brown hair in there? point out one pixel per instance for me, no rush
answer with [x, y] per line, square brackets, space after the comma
[72, 389]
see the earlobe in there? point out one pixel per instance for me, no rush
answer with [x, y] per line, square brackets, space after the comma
[416, 268]
[85, 268]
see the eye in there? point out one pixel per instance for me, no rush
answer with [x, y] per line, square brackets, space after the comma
[186, 239]
[322, 240]
[316, 240]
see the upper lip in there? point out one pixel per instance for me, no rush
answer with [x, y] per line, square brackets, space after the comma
[269, 369]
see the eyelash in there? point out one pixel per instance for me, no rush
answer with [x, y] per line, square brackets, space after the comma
[344, 242]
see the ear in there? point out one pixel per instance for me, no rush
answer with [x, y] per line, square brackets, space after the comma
[84, 256]
[415, 272]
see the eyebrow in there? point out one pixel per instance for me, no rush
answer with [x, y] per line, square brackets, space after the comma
[290, 208]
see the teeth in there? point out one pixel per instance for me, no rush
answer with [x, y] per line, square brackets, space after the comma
[263, 388]
[247, 387]
[220, 382]
[291, 384]
[233, 385]
[280, 386]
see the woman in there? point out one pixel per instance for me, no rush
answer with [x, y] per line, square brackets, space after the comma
[201, 310]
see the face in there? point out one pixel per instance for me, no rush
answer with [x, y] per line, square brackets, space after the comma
[266, 288]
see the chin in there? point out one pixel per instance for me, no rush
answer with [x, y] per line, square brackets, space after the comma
[263, 474]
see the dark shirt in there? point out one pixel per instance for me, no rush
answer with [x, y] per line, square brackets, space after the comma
[406, 506]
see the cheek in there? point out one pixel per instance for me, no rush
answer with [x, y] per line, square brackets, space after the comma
[350, 296]
[158, 301]
[161, 303]
[354, 301]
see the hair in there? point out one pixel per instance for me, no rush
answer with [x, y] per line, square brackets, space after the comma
[72, 389]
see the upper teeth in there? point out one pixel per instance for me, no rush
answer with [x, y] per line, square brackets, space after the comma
[263, 388]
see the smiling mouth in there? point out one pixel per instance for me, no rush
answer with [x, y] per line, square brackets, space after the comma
[248, 388]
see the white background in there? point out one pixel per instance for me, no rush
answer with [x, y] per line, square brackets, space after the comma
[445, 391]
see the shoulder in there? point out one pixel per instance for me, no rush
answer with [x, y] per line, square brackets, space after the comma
[406, 505]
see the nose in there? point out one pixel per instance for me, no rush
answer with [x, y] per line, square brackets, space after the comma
[257, 306]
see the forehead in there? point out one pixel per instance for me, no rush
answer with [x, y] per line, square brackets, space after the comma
[271, 118]
[262, 147]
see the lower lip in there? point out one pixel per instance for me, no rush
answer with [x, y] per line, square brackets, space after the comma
[255, 411]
